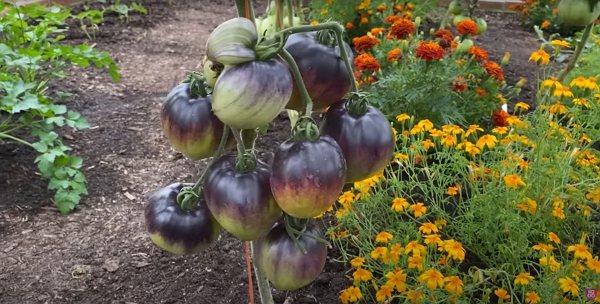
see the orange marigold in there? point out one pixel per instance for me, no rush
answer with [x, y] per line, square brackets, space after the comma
[494, 70]
[467, 27]
[500, 118]
[481, 92]
[398, 8]
[381, 8]
[391, 19]
[376, 31]
[429, 50]
[459, 84]
[366, 62]
[349, 25]
[364, 42]
[402, 28]
[478, 52]
[394, 54]
[443, 34]
[545, 24]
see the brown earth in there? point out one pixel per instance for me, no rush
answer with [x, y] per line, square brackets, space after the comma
[101, 253]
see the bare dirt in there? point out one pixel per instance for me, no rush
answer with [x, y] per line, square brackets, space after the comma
[101, 253]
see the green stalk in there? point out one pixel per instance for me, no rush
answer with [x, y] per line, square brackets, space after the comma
[196, 190]
[580, 46]
[290, 9]
[262, 282]
[307, 103]
[445, 19]
[2, 135]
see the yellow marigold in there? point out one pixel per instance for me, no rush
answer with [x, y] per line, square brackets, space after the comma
[428, 228]
[540, 56]
[414, 296]
[454, 250]
[502, 294]
[384, 237]
[362, 274]
[532, 297]
[419, 209]
[580, 251]
[551, 83]
[523, 278]
[568, 285]
[560, 43]
[432, 279]
[415, 262]
[396, 279]
[454, 284]
[594, 265]
[486, 140]
[522, 105]
[553, 237]
[399, 204]
[563, 91]
[513, 181]
[384, 293]
[357, 262]
[349, 25]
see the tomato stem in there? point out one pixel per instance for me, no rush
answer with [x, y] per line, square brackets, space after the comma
[245, 161]
[279, 15]
[307, 103]
[262, 282]
[185, 196]
[339, 30]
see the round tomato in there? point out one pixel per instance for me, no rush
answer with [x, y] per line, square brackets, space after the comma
[308, 176]
[282, 261]
[367, 140]
[323, 71]
[241, 202]
[177, 230]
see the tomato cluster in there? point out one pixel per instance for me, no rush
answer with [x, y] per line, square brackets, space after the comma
[247, 79]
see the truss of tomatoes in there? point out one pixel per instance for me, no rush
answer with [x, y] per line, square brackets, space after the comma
[306, 176]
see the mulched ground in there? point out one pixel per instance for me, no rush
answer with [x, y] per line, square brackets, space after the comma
[101, 252]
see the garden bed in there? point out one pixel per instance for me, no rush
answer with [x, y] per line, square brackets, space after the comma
[101, 252]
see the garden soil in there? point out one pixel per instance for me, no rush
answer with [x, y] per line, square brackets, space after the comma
[101, 252]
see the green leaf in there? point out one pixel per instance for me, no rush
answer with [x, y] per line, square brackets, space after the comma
[76, 162]
[57, 120]
[58, 184]
[139, 8]
[58, 109]
[41, 147]
[66, 201]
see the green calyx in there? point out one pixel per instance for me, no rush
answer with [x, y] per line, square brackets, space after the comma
[305, 129]
[245, 162]
[357, 104]
[296, 228]
[271, 46]
[187, 198]
[326, 37]
[196, 81]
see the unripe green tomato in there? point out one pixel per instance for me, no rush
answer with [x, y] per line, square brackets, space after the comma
[455, 7]
[464, 46]
[481, 25]
[577, 12]
[459, 18]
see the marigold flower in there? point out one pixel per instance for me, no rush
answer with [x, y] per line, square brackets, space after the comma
[551, 262]
[532, 297]
[357, 262]
[580, 251]
[352, 294]
[563, 91]
[452, 190]
[568, 285]
[594, 265]
[377, 30]
[433, 279]
[384, 293]
[454, 250]
[379, 252]
[454, 284]
[560, 43]
[523, 278]
[394, 55]
[481, 92]
[467, 27]
[478, 52]
[399, 204]
[384, 237]
[545, 24]
[434, 239]
[428, 228]
[540, 57]
[381, 8]
[391, 19]
[362, 274]
[429, 51]
[402, 117]
[402, 28]
[579, 82]
[522, 105]
[396, 279]
[513, 180]
[419, 209]
[500, 118]
[459, 84]
[364, 42]
[366, 62]
[443, 34]
[501, 293]
[314, 22]
[494, 70]
[414, 296]
[349, 25]
[552, 83]
[486, 140]
[553, 237]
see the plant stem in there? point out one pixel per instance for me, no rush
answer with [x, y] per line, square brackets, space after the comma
[16, 139]
[445, 18]
[244, 9]
[307, 103]
[264, 290]
[249, 137]
[580, 46]
[290, 9]
[240, 142]
[279, 14]
[338, 33]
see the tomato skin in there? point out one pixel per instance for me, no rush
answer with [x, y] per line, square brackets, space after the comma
[241, 202]
[367, 140]
[455, 7]
[176, 230]
[282, 262]
[577, 12]
[308, 176]
[251, 95]
[189, 124]
[324, 72]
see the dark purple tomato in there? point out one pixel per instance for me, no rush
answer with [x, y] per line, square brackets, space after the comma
[177, 230]
[282, 262]
[308, 176]
[323, 71]
[241, 202]
[366, 140]
[189, 124]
